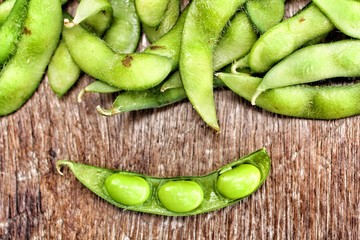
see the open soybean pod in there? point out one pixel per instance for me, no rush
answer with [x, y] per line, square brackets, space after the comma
[179, 196]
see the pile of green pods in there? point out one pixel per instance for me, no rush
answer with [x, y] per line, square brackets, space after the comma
[279, 64]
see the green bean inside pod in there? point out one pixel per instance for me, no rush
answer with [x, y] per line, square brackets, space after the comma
[177, 196]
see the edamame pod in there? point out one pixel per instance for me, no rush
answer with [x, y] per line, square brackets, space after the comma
[12, 29]
[314, 63]
[136, 71]
[265, 13]
[170, 18]
[90, 8]
[151, 12]
[169, 45]
[287, 36]
[124, 33]
[235, 43]
[23, 73]
[344, 14]
[138, 100]
[303, 101]
[180, 196]
[97, 87]
[203, 25]
[62, 70]
[152, 98]
[5, 9]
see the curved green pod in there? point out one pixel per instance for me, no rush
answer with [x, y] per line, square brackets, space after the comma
[265, 14]
[302, 101]
[137, 71]
[287, 36]
[138, 100]
[169, 44]
[177, 196]
[314, 63]
[151, 12]
[124, 33]
[235, 43]
[170, 18]
[23, 73]
[95, 15]
[5, 9]
[62, 70]
[344, 14]
[12, 29]
[203, 25]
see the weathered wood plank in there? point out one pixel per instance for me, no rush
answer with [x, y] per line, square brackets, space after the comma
[313, 191]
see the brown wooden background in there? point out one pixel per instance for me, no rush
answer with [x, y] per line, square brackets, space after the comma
[313, 190]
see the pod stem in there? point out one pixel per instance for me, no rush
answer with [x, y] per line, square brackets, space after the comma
[61, 163]
[106, 112]
[80, 95]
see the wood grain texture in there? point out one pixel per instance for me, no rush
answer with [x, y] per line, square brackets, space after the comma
[313, 191]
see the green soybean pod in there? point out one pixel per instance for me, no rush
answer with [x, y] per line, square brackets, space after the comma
[151, 98]
[302, 101]
[62, 71]
[97, 87]
[314, 63]
[139, 100]
[169, 44]
[12, 29]
[344, 14]
[151, 12]
[124, 33]
[23, 73]
[203, 25]
[176, 196]
[235, 43]
[137, 71]
[90, 8]
[5, 9]
[240, 65]
[265, 13]
[170, 18]
[287, 36]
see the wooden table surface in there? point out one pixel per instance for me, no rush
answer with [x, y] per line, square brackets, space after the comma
[312, 192]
